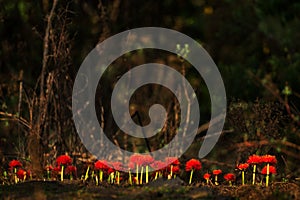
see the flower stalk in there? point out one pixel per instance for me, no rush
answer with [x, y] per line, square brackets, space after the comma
[253, 175]
[191, 176]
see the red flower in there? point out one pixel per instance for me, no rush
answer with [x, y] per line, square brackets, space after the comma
[217, 171]
[158, 165]
[101, 165]
[243, 166]
[206, 176]
[272, 170]
[117, 166]
[21, 174]
[15, 163]
[229, 177]
[175, 169]
[136, 158]
[63, 160]
[172, 161]
[48, 168]
[269, 159]
[71, 170]
[110, 170]
[132, 166]
[193, 164]
[146, 160]
[254, 159]
[57, 169]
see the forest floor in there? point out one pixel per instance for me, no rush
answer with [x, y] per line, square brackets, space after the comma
[160, 189]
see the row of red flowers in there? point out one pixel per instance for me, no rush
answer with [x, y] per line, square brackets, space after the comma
[143, 164]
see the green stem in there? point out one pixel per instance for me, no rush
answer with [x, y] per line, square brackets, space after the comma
[93, 173]
[97, 183]
[137, 174]
[160, 174]
[171, 173]
[253, 176]
[112, 175]
[230, 183]
[142, 172]
[216, 180]
[130, 178]
[156, 175]
[15, 175]
[62, 173]
[243, 177]
[87, 173]
[101, 175]
[147, 170]
[191, 176]
[118, 177]
[267, 178]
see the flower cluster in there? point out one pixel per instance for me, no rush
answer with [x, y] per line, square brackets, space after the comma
[144, 168]
[267, 160]
[19, 174]
[64, 166]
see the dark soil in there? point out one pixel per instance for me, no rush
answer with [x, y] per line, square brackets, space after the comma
[160, 189]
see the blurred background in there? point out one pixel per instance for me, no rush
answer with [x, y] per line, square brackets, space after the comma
[254, 43]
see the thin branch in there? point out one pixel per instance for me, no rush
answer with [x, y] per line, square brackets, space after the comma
[13, 117]
[46, 46]
[248, 144]
[213, 121]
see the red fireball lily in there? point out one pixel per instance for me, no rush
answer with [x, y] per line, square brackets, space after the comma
[216, 172]
[14, 164]
[146, 161]
[63, 161]
[72, 171]
[118, 166]
[254, 160]
[191, 165]
[229, 177]
[173, 170]
[21, 174]
[173, 163]
[269, 159]
[102, 166]
[136, 159]
[207, 176]
[158, 166]
[172, 160]
[242, 167]
[272, 170]
[267, 170]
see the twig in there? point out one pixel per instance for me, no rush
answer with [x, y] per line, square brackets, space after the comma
[46, 47]
[15, 118]
[213, 121]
